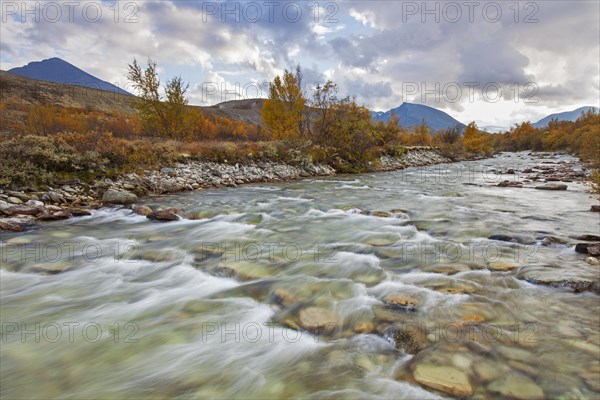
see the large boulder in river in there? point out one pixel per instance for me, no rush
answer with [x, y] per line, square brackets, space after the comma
[163, 216]
[112, 196]
[142, 210]
[510, 184]
[593, 249]
[589, 238]
[552, 187]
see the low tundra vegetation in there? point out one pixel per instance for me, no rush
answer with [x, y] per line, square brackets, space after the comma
[49, 142]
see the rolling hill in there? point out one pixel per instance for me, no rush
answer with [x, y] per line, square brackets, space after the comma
[17, 93]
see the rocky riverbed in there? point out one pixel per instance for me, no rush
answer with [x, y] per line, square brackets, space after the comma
[21, 210]
[418, 283]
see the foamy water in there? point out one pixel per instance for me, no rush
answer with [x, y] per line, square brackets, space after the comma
[115, 306]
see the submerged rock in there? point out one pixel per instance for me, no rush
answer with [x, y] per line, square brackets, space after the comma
[455, 290]
[576, 284]
[551, 240]
[592, 261]
[243, 270]
[471, 319]
[446, 379]
[487, 370]
[51, 268]
[513, 239]
[364, 326]
[399, 301]
[516, 387]
[380, 241]
[381, 214]
[319, 320]
[284, 298]
[502, 267]
[409, 338]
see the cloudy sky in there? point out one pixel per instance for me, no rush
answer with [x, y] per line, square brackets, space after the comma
[495, 63]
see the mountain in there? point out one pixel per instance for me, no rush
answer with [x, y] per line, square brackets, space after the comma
[60, 71]
[563, 116]
[412, 114]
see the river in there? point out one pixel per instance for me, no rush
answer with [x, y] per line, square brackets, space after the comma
[386, 264]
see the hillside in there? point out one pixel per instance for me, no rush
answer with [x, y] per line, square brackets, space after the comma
[18, 93]
[248, 111]
[413, 114]
[60, 71]
[563, 116]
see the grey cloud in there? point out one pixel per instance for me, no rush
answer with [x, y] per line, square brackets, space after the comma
[373, 64]
[370, 90]
[354, 52]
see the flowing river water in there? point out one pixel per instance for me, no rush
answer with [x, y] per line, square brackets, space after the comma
[437, 261]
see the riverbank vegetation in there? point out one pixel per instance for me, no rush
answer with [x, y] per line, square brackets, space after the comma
[299, 126]
[580, 137]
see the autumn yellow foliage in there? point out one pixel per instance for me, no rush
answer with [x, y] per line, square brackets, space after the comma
[284, 111]
[477, 142]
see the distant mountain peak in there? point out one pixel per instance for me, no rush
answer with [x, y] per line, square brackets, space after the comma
[412, 114]
[57, 70]
[564, 116]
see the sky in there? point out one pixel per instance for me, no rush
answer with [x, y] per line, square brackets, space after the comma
[493, 62]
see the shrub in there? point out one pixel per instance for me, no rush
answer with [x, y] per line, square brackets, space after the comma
[455, 151]
[38, 159]
[394, 150]
[41, 159]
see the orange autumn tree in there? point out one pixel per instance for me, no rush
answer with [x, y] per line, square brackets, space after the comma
[477, 142]
[160, 114]
[421, 136]
[284, 111]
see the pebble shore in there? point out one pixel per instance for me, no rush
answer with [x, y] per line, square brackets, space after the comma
[22, 210]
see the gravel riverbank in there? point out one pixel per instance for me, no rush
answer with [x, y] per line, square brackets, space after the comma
[21, 210]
